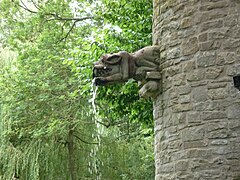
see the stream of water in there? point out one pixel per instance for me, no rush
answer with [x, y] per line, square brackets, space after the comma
[94, 164]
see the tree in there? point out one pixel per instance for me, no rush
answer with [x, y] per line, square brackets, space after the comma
[46, 119]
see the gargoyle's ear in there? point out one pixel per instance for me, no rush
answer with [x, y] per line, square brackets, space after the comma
[113, 59]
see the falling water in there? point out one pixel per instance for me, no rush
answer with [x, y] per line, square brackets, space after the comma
[93, 165]
[94, 95]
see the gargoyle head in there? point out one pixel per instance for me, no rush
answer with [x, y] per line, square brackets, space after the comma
[111, 68]
[107, 67]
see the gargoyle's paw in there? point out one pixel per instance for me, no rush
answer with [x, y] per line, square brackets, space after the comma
[150, 89]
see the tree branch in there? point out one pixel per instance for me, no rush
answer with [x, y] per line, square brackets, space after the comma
[25, 7]
[84, 140]
[35, 5]
[54, 16]
[106, 125]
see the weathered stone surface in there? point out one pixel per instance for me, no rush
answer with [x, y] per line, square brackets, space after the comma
[209, 45]
[189, 66]
[206, 59]
[203, 37]
[184, 99]
[186, 22]
[200, 125]
[194, 144]
[199, 94]
[233, 111]
[190, 46]
[213, 72]
[211, 25]
[195, 75]
[211, 115]
[193, 133]
[181, 165]
[193, 117]
[183, 89]
[219, 142]
[216, 94]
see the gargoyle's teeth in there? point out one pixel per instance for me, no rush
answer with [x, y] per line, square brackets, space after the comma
[98, 66]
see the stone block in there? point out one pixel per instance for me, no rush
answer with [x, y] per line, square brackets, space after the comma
[200, 153]
[222, 150]
[211, 15]
[173, 70]
[216, 94]
[234, 32]
[203, 37]
[193, 117]
[198, 83]
[213, 72]
[199, 94]
[215, 5]
[233, 70]
[165, 168]
[193, 133]
[198, 164]
[218, 134]
[179, 155]
[173, 53]
[196, 75]
[216, 85]
[213, 115]
[206, 59]
[179, 80]
[231, 57]
[231, 43]
[213, 126]
[190, 46]
[174, 145]
[233, 111]
[188, 66]
[210, 45]
[182, 107]
[186, 22]
[184, 99]
[234, 124]
[181, 165]
[181, 90]
[194, 144]
[189, 10]
[219, 142]
[211, 25]
[217, 35]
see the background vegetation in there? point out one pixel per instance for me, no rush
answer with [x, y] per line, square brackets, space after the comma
[48, 129]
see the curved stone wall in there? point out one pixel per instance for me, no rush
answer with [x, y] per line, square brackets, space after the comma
[197, 116]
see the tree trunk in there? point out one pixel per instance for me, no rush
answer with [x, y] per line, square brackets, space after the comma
[197, 114]
[71, 155]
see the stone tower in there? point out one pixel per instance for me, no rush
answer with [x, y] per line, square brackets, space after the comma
[197, 115]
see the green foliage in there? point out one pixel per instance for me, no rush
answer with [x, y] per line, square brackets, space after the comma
[131, 31]
[41, 104]
[47, 126]
[120, 160]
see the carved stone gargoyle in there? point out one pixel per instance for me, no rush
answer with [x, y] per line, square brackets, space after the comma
[142, 66]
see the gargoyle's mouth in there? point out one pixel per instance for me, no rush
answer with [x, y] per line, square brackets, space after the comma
[99, 82]
[102, 71]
